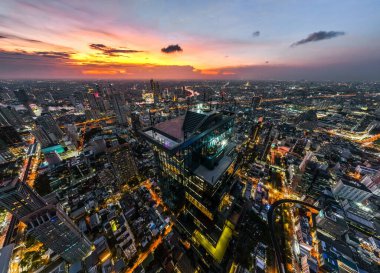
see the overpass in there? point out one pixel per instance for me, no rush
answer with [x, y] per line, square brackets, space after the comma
[271, 222]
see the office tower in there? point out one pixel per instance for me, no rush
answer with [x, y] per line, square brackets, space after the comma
[136, 122]
[118, 105]
[123, 163]
[57, 231]
[9, 116]
[19, 199]
[96, 102]
[9, 136]
[43, 137]
[47, 122]
[194, 154]
[155, 87]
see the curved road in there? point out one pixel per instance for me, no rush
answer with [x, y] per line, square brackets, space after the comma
[271, 221]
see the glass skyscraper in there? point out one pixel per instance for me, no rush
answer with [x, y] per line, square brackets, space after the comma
[195, 155]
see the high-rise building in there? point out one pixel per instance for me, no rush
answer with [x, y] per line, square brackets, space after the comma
[118, 105]
[96, 101]
[9, 136]
[155, 87]
[56, 230]
[19, 199]
[43, 137]
[9, 116]
[195, 155]
[136, 122]
[123, 163]
[47, 122]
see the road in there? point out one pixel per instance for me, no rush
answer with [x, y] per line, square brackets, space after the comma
[271, 222]
[142, 256]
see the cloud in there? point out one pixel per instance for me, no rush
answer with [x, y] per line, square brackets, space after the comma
[11, 36]
[256, 33]
[53, 54]
[171, 49]
[318, 36]
[112, 51]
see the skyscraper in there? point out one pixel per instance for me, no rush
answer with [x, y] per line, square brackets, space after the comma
[9, 136]
[9, 116]
[136, 122]
[118, 105]
[195, 153]
[47, 123]
[96, 101]
[123, 163]
[57, 231]
[155, 87]
[43, 137]
[19, 199]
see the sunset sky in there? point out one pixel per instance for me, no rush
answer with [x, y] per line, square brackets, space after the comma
[258, 39]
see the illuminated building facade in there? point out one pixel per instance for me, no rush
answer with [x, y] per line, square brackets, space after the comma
[195, 152]
[47, 131]
[123, 163]
[58, 232]
[45, 222]
[18, 198]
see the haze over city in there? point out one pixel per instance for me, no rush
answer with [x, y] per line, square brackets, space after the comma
[281, 40]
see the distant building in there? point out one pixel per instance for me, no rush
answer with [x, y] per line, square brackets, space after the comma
[123, 163]
[47, 121]
[23, 98]
[47, 131]
[95, 101]
[136, 122]
[43, 137]
[118, 106]
[9, 116]
[9, 136]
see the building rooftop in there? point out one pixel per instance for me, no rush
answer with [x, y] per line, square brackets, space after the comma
[212, 176]
[172, 133]
[355, 185]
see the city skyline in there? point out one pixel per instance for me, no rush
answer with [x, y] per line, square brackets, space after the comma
[289, 40]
